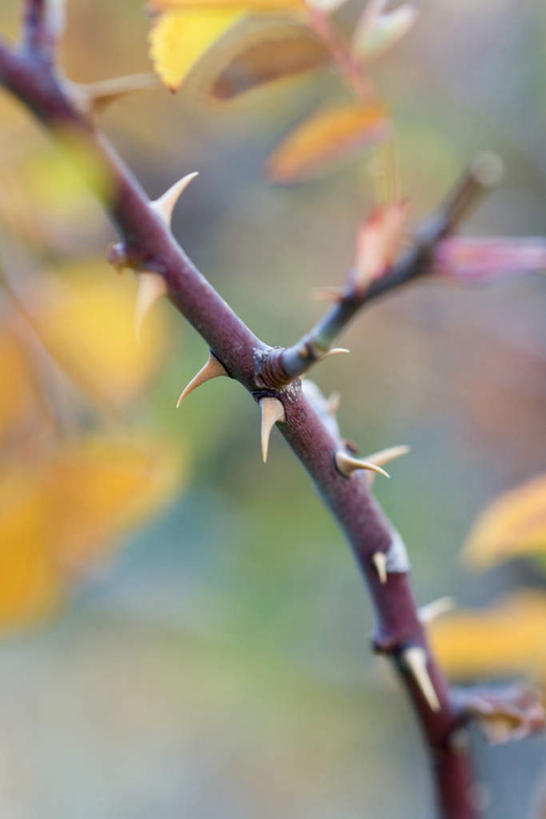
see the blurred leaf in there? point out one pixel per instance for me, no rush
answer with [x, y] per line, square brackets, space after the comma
[378, 242]
[263, 51]
[324, 136]
[59, 515]
[16, 395]
[179, 38]
[326, 6]
[376, 32]
[99, 487]
[249, 5]
[508, 638]
[514, 525]
[86, 320]
[30, 580]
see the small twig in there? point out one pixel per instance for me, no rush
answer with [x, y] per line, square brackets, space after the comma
[483, 174]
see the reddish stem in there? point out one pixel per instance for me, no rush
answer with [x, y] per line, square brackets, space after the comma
[150, 245]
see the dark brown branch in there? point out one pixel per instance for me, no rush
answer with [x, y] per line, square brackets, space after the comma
[147, 244]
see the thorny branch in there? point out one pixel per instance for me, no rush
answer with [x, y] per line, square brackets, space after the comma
[305, 418]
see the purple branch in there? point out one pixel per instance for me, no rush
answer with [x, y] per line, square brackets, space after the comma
[309, 428]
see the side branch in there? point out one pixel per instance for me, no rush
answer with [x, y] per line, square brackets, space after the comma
[483, 174]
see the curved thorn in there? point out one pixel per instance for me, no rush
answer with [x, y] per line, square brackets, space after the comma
[435, 609]
[98, 95]
[385, 456]
[150, 288]
[347, 464]
[212, 369]
[164, 206]
[334, 351]
[379, 560]
[415, 659]
[272, 411]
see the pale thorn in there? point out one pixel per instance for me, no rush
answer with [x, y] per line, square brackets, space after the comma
[379, 560]
[212, 369]
[334, 351]
[435, 609]
[98, 95]
[385, 456]
[333, 403]
[150, 288]
[415, 659]
[347, 464]
[272, 411]
[165, 205]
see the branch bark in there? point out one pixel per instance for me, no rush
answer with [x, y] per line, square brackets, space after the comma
[309, 429]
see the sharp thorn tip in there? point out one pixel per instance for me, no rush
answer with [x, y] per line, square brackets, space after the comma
[212, 369]
[272, 412]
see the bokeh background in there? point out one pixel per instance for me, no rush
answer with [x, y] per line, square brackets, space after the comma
[216, 662]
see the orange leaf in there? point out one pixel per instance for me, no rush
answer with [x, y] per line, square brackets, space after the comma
[31, 586]
[259, 52]
[325, 136]
[512, 526]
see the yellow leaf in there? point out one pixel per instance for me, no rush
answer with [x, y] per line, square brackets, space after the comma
[61, 515]
[31, 585]
[514, 525]
[86, 320]
[505, 639]
[179, 38]
[326, 135]
[261, 51]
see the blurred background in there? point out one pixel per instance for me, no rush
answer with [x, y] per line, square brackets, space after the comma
[195, 643]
